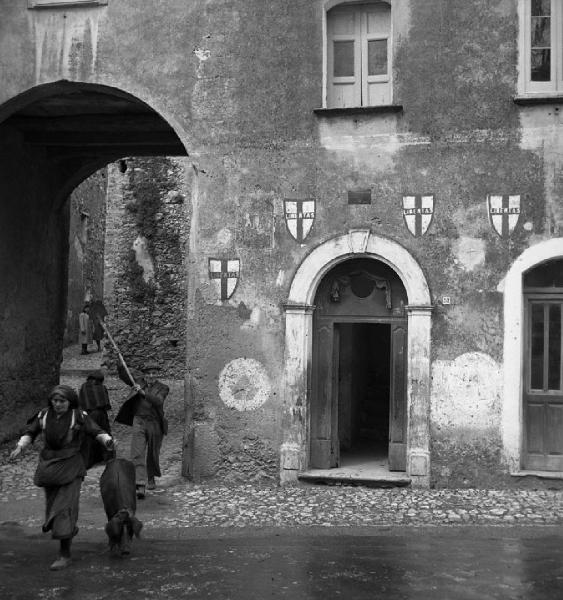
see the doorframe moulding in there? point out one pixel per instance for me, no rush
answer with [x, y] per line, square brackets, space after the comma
[299, 308]
[512, 421]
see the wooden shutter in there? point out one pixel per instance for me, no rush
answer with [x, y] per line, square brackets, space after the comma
[344, 59]
[324, 409]
[375, 31]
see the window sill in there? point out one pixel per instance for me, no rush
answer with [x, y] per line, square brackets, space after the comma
[64, 3]
[539, 474]
[538, 99]
[358, 110]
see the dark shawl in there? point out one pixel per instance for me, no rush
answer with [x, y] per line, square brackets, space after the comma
[93, 393]
[117, 487]
[155, 393]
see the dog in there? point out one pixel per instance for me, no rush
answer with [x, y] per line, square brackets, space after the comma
[117, 487]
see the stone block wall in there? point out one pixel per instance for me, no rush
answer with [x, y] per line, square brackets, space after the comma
[144, 284]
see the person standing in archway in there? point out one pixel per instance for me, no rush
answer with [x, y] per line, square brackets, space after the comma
[84, 329]
[144, 411]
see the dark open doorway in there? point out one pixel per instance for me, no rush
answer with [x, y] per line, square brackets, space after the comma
[363, 391]
[358, 389]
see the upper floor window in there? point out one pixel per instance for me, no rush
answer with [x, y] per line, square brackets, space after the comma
[359, 55]
[541, 66]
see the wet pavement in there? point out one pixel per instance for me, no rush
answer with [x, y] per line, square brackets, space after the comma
[391, 563]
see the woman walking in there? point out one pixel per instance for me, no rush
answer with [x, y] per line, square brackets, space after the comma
[61, 467]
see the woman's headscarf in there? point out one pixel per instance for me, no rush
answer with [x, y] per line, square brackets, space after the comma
[97, 375]
[66, 392]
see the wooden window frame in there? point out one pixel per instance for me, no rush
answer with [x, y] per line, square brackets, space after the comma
[527, 87]
[535, 296]
[361, 57]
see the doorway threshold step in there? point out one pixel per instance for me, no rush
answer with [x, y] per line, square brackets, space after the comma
[341, 477]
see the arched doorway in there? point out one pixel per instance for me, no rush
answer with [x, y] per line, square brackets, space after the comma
[522, 430]
[543, 368]
[52, 137]
[295, 452]
[358, 391]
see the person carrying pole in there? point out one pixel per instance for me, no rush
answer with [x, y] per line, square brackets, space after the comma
[143, 410]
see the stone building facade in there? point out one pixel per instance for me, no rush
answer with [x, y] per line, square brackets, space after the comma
[372, 220]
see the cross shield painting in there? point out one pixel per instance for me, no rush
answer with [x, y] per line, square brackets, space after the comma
[504, 212]
[299, 217]
[224, 274]
[418, 211]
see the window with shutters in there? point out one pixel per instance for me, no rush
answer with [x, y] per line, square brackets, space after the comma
[541, 46]
[359, 55]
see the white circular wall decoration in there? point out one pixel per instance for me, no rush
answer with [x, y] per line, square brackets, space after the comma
[244, 384]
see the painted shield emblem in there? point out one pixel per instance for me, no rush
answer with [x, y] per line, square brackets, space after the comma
[224, 273]
[504, 212]
[418, 212]
[299, 217]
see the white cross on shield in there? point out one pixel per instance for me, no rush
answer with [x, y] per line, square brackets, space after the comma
[504, 212]
[418, 212]
[299, 217]
[224, 274]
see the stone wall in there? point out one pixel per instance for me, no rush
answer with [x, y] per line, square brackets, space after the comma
[33, 252]
[145, 283]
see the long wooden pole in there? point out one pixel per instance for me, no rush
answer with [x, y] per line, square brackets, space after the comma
[120, 356]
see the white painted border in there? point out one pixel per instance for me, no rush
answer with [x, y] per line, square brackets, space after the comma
[511, 286]
[294, 451]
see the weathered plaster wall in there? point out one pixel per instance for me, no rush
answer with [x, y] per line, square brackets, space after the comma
[466, 411]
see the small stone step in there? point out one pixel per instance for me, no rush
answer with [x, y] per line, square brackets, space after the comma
[350, 480]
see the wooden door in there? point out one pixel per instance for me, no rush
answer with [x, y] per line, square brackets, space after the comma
[325, 450]
[397, 399]
[543, 384]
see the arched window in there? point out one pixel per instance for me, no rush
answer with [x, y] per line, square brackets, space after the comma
[359, 55]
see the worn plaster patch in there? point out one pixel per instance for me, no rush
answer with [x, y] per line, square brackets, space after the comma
[224, 237]
[66, 44]
[470, 252]
[244, 384]
[255, 319]
[466, 393]
[143, 257]
[201, 53]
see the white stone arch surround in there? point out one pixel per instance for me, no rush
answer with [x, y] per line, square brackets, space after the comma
[298, 347]
[513, 352]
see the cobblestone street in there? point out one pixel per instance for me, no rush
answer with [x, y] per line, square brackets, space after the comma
[179, 503]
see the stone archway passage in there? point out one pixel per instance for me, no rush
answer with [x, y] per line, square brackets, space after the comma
[298, 346]
[52, 137]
